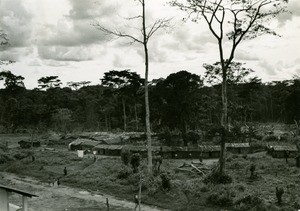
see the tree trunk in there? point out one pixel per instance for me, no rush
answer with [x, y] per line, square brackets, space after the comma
[147, 118]
[124, 114]
[184, 138]
[136, 118]
[224, 123]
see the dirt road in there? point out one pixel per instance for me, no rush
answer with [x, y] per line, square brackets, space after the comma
[64, 198]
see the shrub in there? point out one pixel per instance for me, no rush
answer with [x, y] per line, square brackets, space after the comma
[151, 184]
[238, 163]
[125, 156]
[165, 181]
[21, 155]
[192, 137]
[216, 177]
[135, 162]
[270, 138]
[222, 196]
[279, 193]
[249, 202]
[257, 146]
[240, 187]
[5, 158]
[252, 170]
[124, 172]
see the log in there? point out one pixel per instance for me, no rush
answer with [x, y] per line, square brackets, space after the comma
[193, 166]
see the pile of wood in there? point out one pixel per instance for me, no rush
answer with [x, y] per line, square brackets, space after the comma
[195, 167]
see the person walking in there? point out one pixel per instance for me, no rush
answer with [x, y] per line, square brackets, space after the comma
[49, 181]
[65, 171]
[58, 182]
[136, 201]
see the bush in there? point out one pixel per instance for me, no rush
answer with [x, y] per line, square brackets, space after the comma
[216, 177]
[249, 202]
[270, 138]
[5, 158]
[257, 146]
[165, 181]
[222, 196]
[125, 156]
[151, 184]
[124, 172]
[192, 137]
[22, 155]
[238, 163]
[135, 162]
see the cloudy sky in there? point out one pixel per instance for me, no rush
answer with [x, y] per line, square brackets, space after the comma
[57, 37]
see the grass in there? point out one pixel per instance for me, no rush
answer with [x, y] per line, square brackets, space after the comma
[188, 192]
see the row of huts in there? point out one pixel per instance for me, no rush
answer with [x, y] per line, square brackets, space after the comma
[206, 151]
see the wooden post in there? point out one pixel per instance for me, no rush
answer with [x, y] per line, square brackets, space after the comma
[140, 194]
[25, 203]
[4, 200]
[107, 204]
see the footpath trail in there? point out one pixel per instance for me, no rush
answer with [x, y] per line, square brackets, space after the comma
[65, 198]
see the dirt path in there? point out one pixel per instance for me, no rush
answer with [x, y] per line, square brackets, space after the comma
[64, 197]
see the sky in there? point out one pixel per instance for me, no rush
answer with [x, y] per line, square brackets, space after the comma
[58, 37]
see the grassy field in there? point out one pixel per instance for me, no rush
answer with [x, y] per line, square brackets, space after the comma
[188, 191]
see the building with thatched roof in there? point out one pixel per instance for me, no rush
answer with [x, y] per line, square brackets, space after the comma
[280, 151]
[240, 148]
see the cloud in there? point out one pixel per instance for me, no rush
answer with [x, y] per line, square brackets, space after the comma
[245, 55]
[270, 69]
[55, 63]
[119, 62]
[91, 9]
[15, 54]
[293, 11]
[16, 22]
[61, 53]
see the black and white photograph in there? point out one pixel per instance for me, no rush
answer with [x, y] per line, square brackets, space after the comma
[149, 105]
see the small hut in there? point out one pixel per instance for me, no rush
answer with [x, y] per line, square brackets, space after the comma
[279, 151]
[240, 148]
[26, 144]
[83, 144]
[209, 151]
[104, 149]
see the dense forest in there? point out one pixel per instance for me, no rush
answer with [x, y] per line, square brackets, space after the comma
[183, 101]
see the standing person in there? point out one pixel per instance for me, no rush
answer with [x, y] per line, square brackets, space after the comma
[52, 181]
[49, 181]
[286, 155]
[58, 182]
[65, 171]
[136, 201]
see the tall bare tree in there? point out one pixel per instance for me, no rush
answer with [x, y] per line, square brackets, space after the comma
[147, 32]
[236, 20]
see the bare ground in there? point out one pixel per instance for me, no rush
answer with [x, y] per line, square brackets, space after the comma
[64, 197]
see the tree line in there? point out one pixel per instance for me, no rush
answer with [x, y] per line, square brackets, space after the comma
[182, 101]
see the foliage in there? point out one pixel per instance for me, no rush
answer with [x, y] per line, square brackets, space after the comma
[49, 82]
[135, 162]
[215, 177]
[165, 181]
[221, 195]
[279, 193]
[124, 172]
[125, 156]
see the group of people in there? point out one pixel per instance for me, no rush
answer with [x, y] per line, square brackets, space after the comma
[52, 180]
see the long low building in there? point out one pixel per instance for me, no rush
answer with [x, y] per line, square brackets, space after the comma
[204, 151]
[168, 152]
[280, 151]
